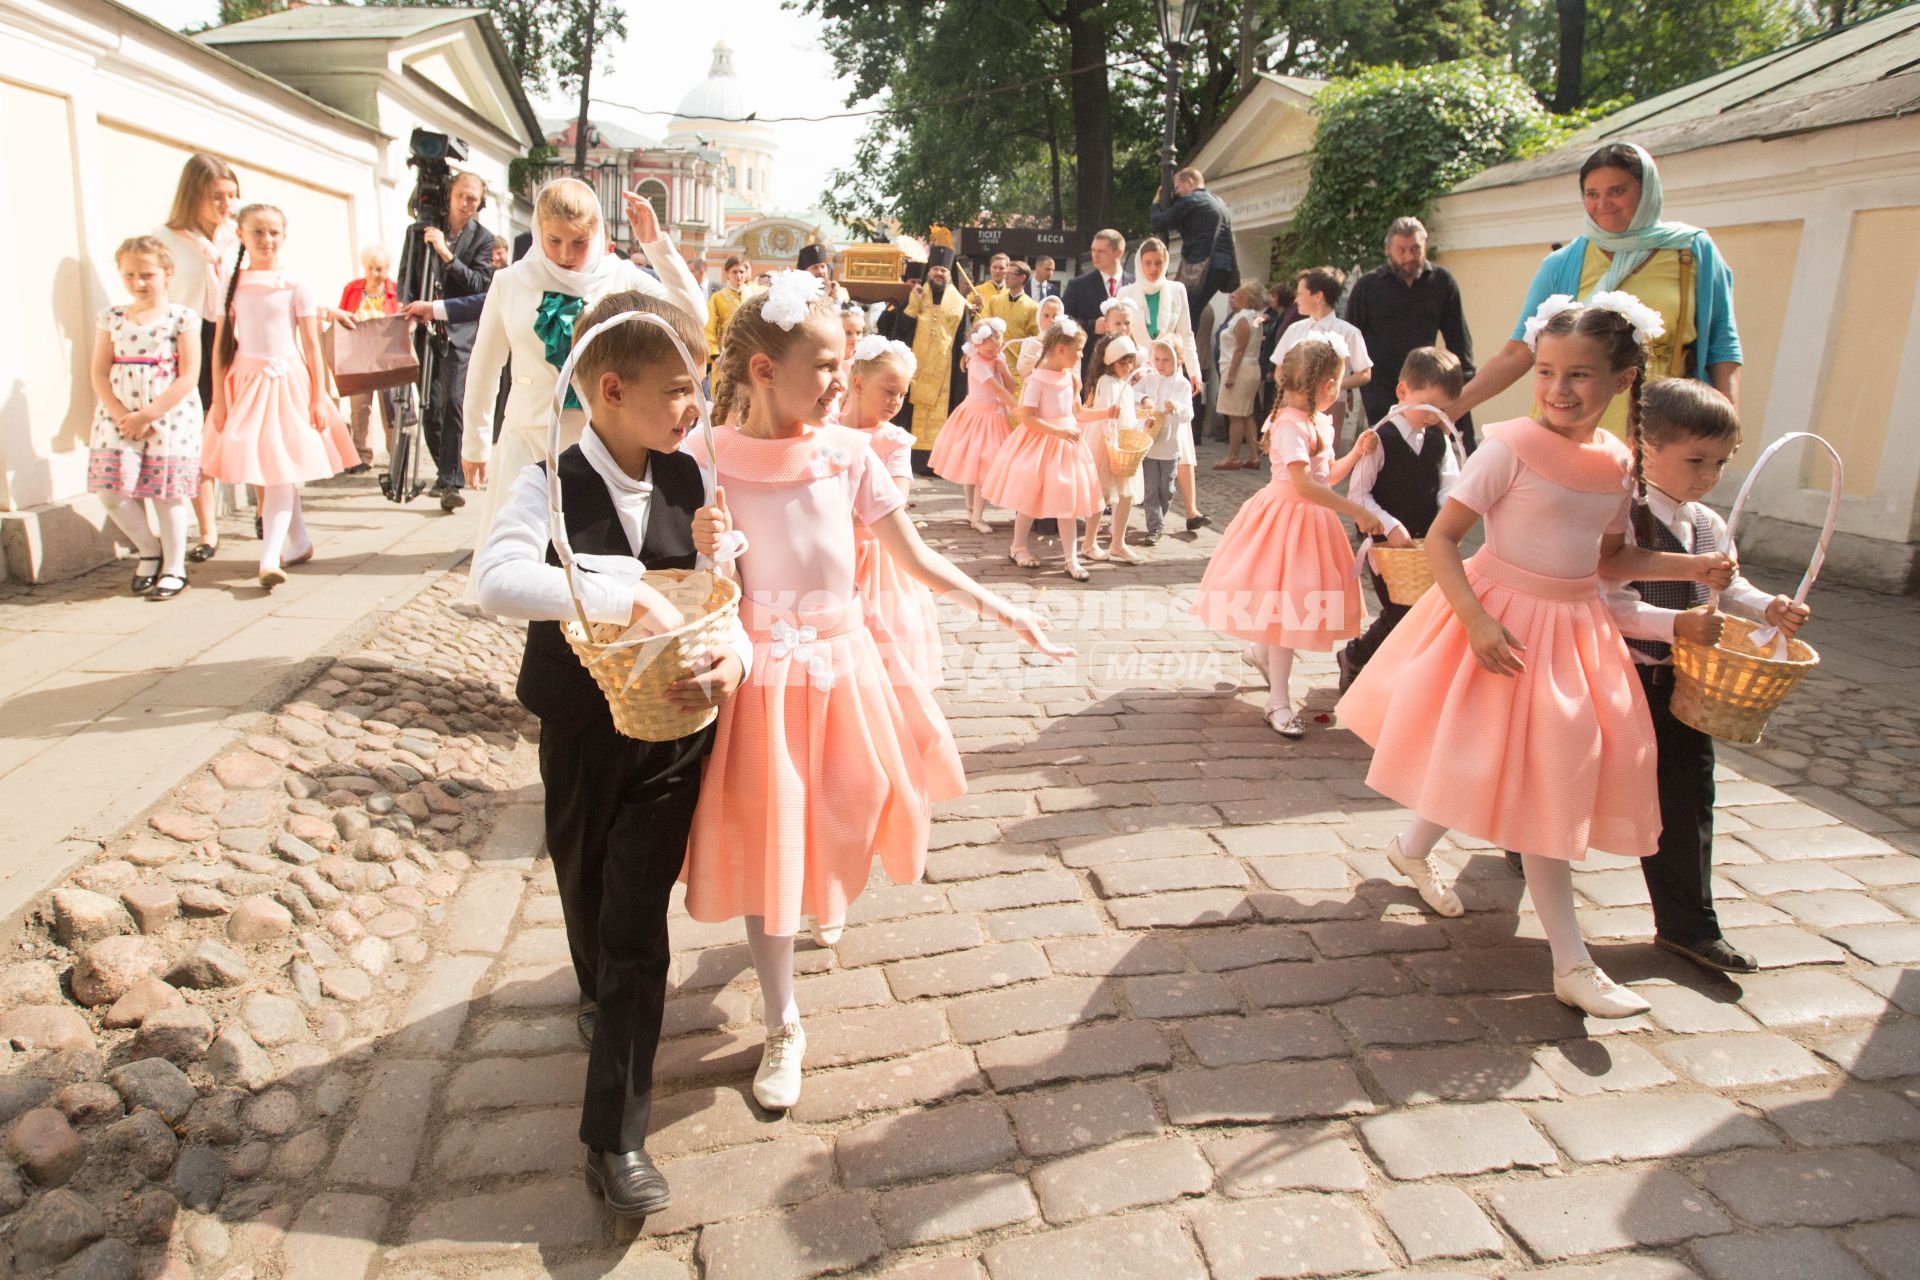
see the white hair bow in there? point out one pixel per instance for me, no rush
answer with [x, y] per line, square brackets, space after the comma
[873, 346]
[1334, 340]
[1646, 322]
[789, 297]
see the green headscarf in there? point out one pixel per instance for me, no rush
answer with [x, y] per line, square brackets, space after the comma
[1645, 234]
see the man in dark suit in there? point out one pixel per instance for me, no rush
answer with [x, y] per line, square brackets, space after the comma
[1085, 292]
[1205, 229]
[1043, 286]
[465, 250]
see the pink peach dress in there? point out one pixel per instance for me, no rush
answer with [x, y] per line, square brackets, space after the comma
[1560, 758]
[900, 609]
[1283, 572]
[825, 759]
[975, 430]
[1040, 474]
[269, 436]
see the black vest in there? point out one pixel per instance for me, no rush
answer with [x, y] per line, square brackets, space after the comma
[1670, 594]
[1408, 486]
[552, 682]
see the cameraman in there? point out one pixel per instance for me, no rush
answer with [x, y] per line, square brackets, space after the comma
[465, 251]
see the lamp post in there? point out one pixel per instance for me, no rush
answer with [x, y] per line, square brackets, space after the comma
[1179, 19]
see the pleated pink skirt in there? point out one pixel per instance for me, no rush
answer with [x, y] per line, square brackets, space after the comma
[969, 441]
[1554, 761]
[822, 762]
[269, 436]
[1040, 474]
[1282, 574]
[900, 610]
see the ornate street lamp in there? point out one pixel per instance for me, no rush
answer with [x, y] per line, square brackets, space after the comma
[1179, 20]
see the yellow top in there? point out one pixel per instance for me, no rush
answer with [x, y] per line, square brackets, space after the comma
[720, 309]
[1657, 283]
[1021, 313]
[985, 293]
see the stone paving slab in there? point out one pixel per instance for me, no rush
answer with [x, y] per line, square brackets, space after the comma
[1158, 1009]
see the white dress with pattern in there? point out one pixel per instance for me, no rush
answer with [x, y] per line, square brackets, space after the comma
[165, 463]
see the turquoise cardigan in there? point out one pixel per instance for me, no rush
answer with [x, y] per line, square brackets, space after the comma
[1719, 341]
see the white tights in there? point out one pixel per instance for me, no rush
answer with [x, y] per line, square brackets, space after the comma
[1549, 883]
[773, 963]
[1279, 679]
[282, 528]
[170, 548]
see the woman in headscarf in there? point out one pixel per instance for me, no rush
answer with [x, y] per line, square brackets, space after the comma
[529, 316]
[1672, 267]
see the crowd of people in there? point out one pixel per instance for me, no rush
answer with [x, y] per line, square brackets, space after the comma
[1523, 700]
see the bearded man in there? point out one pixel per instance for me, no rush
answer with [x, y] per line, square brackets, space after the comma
[1399, 306]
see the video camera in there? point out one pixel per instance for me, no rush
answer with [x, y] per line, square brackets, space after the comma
[429, 154]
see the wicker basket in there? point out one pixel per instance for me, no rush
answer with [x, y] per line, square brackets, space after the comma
[1126, 446]
[634, 672]
[1729, 689]
[1406, 570]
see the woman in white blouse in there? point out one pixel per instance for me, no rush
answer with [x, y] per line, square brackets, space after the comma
[1160, 311]
[200, 235]
[529, 316]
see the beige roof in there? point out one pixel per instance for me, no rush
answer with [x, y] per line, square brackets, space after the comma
[338, 22]
[1868, 71]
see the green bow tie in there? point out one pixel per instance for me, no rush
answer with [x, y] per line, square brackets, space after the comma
[553, 325]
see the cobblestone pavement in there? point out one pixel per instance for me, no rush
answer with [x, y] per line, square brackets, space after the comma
[1159, 1009]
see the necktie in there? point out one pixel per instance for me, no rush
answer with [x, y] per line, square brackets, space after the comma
[1112, 286]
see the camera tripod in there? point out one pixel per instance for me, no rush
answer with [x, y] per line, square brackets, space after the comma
[402, 482]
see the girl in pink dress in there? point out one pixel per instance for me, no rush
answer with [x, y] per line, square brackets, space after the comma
[900, 609]
[826, 759]
[1044, 468]
[272, 423]
[977, 427]
[1282, 576]
[1506, 705]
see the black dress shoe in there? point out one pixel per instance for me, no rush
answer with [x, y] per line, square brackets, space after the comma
[202, 552]
[628, 1182]
[585, 1021]
[451, 500]
[167, 586]
[1349, 670]
[1200, 521]
[143, 582]
[1714, 953]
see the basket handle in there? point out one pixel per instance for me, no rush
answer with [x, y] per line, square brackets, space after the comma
[556, 516]
[1770, 636]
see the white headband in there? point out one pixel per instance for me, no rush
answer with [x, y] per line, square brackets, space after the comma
[873, 346]
[1068, 326]
[1119, 349]
[1646, 322]
[789, 296]
[1111, 303]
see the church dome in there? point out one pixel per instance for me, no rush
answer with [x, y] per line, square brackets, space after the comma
[719, 96]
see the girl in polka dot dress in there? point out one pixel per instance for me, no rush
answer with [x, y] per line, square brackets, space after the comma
[146, 429]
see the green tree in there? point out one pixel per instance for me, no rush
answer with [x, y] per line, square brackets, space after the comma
[529, 29]
[1390, 140]
[588, 28]
[1587, 53]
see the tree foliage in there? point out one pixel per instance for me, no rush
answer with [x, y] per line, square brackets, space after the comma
[1391, 140]
[531, 30]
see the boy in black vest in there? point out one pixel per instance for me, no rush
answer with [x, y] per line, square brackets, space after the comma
[617, 809]
[1405, 481]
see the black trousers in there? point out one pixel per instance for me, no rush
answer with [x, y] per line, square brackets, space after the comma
[1362, 648]
[443, 421]
[618, 812]
[1680, 873]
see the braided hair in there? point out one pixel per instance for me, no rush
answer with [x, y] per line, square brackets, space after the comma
[1615, 332]
[229, 343]
[750, 333]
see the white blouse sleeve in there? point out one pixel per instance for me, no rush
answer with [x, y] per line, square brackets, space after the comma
[511, 576]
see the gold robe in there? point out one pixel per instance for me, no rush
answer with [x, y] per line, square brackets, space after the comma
[1021, 313]
[933, 339]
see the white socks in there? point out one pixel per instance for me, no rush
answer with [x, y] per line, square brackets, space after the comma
[1279, 676]
[773, 963]
[1550, 883]
[282, 527]
[1417, 841]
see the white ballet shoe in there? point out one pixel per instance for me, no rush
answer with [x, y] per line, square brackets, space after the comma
[776, 1086]
[1427, 877]
[1586, 988]
[826, 934]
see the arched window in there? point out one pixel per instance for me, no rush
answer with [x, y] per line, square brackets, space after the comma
[654, 193]
[749, 177]
[733, 179]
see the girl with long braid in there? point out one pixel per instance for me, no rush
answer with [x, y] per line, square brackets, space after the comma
[272, 423]
[1505, 704]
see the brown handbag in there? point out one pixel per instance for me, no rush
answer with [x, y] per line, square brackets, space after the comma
[375, 354]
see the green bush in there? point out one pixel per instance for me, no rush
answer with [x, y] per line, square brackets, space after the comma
[1391, 140]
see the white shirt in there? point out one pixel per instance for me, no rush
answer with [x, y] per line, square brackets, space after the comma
[1161, 388]
[511, 576]
[1110, 285]
[1639, 620]
[1367, 469]
[1358, 361]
